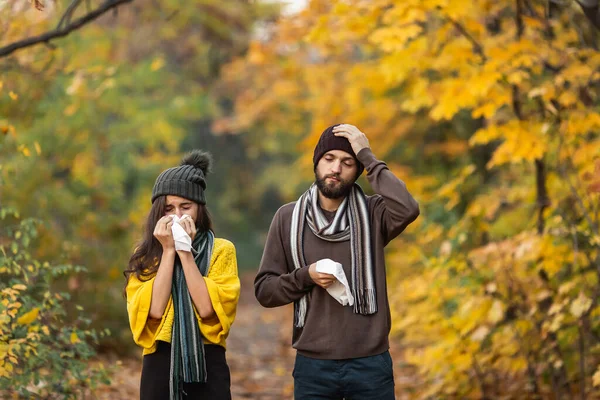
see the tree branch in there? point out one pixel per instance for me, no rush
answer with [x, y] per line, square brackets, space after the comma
[68, 14]
[591, 10]
[543, 201]
[478, 48]
[61, 31]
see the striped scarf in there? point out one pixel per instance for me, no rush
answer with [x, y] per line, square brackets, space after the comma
[187, 349]
[351, 222]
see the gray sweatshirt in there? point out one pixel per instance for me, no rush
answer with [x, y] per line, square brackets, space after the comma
[332, 331]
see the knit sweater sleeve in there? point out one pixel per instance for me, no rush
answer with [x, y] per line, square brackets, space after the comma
[277, 282]
[139, 297]
[392, 204]
[223, 286]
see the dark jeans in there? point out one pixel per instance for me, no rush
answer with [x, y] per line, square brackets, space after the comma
[156, 372]
[366, 378]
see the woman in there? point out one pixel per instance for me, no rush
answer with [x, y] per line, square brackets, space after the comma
[182, 301]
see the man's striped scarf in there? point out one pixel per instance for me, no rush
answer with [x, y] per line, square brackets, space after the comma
[187, 350]
[351, 222]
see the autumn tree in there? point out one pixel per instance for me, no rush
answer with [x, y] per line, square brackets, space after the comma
[97, 116]
[489, 111]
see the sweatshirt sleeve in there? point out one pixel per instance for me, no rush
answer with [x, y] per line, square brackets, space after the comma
[393, 205]
[143, 327]
[223, 286]
[274, 284]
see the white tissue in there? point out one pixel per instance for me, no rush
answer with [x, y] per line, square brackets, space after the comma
[183, 241]
[339, 290]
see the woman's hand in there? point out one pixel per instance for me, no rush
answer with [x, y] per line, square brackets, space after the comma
[164, 234]
[188, 225]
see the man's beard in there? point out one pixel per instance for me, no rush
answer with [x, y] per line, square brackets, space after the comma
[333, 190]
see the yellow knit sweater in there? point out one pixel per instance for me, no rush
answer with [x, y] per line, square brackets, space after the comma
[223, 288]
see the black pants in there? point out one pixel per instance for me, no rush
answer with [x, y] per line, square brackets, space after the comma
[365, 378]
[156, 372]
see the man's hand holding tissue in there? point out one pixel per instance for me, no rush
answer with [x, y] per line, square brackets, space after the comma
[164, 234]
[321, 279]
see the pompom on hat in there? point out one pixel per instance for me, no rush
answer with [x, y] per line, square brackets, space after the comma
[188, 180]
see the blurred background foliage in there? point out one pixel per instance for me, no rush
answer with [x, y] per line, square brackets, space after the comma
[489, 111]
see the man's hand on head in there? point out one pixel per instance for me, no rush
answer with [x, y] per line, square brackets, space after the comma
[357, 139]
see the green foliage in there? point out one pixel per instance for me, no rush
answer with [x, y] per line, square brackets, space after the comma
[88, 126]
[43, 354]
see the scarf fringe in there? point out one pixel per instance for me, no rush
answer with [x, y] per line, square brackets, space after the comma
[351, 222]
[188, 363]
[368, 303]
[301, 312]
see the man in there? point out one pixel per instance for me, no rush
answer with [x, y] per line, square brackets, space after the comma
[342, 351]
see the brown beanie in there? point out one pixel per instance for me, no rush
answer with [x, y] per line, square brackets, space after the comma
[328, 141]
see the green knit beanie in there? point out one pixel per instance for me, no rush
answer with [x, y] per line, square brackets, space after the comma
[187, 180]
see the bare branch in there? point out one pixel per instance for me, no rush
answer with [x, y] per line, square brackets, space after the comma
[68, 14]
[477, 47]
[63, 31]
[543, 201]
[591, 10]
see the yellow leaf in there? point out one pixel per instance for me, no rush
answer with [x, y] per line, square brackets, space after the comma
[8, 367]
[556, 323]
[566, 287]
[596, 378]
[394, 38]
[580, 305]
[567, 99]
[29, 317]
[19, 286]
[23, 149]
[280, 371]
[517, 77]
[70, 110]
[74, 338]
[38, 149]
[496, 313]
[480, 333]
[13, 95]
[3, 350]
[46, 330]
[157, 64]
[341, 9]
[554, 309]
[256, 54]
[74, 87]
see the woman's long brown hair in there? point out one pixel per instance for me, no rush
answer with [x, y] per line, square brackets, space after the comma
[145, 259]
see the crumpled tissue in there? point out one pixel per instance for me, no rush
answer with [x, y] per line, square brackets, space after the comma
[340, 289]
